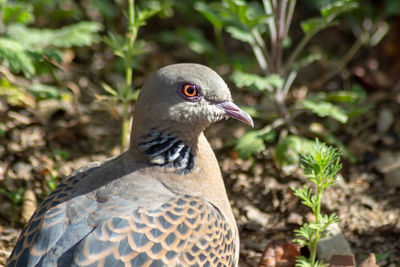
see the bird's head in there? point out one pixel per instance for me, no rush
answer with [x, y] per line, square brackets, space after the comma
[190, 95]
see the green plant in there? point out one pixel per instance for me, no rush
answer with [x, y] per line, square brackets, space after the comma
[264, 26]
[16, 197]
[27, 53]
[59, 155]
[320, 168]
[127, 48]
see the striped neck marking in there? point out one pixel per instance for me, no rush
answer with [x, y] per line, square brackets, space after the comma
[167, 151]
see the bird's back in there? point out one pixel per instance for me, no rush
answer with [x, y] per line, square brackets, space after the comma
[90, 220]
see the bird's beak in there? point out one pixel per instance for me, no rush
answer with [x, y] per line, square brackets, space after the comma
[235, 112]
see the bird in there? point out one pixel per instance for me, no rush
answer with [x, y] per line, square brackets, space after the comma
[162, 202]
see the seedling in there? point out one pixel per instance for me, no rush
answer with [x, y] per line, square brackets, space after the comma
[320, 167]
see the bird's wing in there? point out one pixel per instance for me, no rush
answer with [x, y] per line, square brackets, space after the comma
[161, 230]
[59, 213]
[184, 231]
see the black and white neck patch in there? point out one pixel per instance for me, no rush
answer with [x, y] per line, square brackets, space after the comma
[167, 151]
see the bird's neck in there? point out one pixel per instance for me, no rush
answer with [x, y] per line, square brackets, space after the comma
[166, 148]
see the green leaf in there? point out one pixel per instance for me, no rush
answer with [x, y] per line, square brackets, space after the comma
[381, 256]
[109, 89]
[305, 195]
[322, 163]
[209, 14]
[289, 148]
[313, 25]
[337, 8]
[14, 56]
[63, 154]
[16, 12]
[78, 34]
[305, 231]
[195, 40]
[326, 109]
[239, 34]
[142, 15]
[307, 60]
[42, 91]
[302, 261]
[332, 139]
[242, 79]
[392, 8]
[251, 143]
[117, 43]
[342, 96]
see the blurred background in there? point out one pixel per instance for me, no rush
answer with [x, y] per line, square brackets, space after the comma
[70, 72]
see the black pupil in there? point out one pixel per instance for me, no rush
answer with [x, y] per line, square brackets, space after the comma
[190, 90]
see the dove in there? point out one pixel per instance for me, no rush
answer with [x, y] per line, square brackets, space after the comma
[160, 203]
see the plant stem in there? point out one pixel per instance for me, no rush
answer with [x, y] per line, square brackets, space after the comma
[317, 213]
[260, 52]
[132, 32]
[289, 17]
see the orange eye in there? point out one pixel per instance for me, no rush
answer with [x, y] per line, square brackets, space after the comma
[189, 90]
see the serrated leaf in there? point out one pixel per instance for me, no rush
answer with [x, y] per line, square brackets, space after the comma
[301, 242]
[242, 79]
[117, 43]
[14, 56]
[326, 109]
[249, 144]
[304, 231]
[302, 261]
[239, 34]
[78, 34]
[337, 8]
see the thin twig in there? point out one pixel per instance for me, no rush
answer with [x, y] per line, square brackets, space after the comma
[260, 57]
[280, 25]
[261, 44]
[288, 83]
[277, 123]
[271, 22]
[282, 19]
[289, 17]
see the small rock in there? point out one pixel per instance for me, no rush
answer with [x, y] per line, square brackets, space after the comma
[256, 215]
[389, 164]
[334, 243]
[385, 121]
[23, 170]
[295, 218]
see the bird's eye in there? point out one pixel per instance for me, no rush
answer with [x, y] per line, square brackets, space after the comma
[189, 90]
